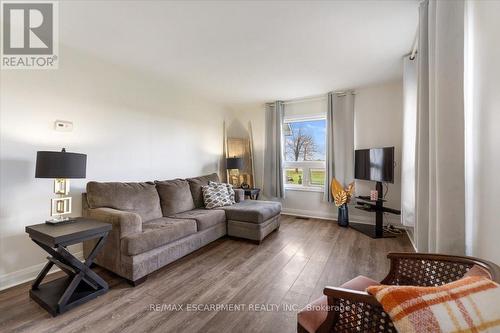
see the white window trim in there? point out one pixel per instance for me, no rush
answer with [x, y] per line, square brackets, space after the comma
[304, 165]
[306, 182]
[296, 119]
[301, 188]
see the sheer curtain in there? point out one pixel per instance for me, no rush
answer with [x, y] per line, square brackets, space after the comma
[273, 164]
[440, 173]
[409, 141]
[339, 140]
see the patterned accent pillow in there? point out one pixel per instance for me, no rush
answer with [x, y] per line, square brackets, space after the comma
[466, 305]
[216, 195]
[230, 190]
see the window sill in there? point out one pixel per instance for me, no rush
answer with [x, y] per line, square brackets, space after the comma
[304, 188]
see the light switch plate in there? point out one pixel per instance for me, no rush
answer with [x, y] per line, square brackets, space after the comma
[63, 126]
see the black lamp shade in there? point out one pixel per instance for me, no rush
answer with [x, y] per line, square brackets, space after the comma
[234, 163]
[60, 164]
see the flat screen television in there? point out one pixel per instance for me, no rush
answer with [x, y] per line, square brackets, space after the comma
[376, 164]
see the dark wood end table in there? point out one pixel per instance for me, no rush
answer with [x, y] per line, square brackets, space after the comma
[253, 193]
[80, 284]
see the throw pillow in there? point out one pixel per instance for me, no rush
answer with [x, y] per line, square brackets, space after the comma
[216, 195]
[230, 190]
[466, 305]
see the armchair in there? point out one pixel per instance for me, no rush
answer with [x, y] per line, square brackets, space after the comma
[357, 311]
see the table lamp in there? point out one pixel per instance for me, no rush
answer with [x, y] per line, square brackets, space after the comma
[234, 164]
[61, 166]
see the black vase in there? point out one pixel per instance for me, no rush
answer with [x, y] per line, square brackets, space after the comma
[343, 216]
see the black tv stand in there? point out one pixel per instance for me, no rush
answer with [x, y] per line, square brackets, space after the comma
[377, 206]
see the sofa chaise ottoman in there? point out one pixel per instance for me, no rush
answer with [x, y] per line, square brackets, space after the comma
[156, 223]
[251, 219]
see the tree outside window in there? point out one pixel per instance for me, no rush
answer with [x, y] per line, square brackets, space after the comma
[305, 143]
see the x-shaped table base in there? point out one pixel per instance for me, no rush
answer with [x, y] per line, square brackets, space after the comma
[80, 285]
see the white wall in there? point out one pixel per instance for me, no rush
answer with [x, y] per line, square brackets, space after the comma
[482, 130]
[378, 123]
[133, 127]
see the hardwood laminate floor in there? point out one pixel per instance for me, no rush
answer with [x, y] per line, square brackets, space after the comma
[258, 288]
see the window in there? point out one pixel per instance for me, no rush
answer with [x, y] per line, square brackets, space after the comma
[305, 150]
[294, 176]
[317, 177]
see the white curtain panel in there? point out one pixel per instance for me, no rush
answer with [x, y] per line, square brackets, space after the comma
[409, 141]
[273, 186]
[440, 203]
[339, 140]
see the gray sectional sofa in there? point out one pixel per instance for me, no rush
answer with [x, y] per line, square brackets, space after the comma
[156, 223]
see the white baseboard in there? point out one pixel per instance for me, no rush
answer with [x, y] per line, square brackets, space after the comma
[27, 274]
[393, 219]
[309, 214]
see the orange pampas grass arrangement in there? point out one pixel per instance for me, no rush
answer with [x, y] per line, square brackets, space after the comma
[342, 196]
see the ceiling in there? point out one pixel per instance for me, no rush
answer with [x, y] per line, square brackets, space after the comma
[239, 52]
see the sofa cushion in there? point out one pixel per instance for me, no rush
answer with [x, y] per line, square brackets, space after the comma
[204, 218]
[253, 211]
[314, 314]
[195, 185]
[139, 198]
[239, 194]
[175, 196]
[156, 233]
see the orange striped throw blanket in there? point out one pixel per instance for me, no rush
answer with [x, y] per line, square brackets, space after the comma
[471, 304]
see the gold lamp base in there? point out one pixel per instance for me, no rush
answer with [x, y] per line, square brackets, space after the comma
[61, 205]
[234, 175]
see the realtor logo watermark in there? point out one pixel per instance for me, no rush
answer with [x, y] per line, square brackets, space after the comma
[30, 38]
